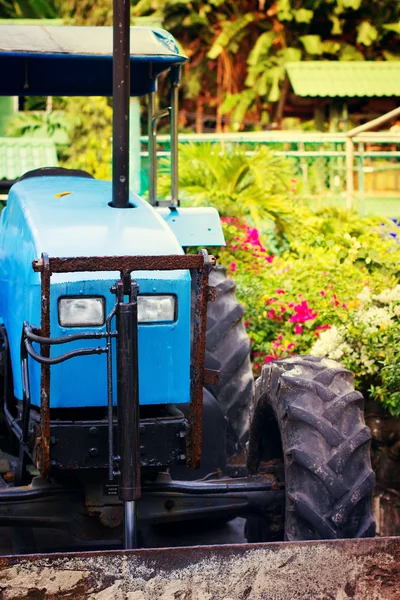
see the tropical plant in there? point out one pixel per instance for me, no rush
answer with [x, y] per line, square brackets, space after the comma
[87, 12]
[90, 135]
[27, 9]
[237, 183]
[54, 125]
[238, 50]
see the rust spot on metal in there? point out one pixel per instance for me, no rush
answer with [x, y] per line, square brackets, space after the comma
[128, 264]
[194, 439]
[43, 450]
[211, 293]
[211, 377]
[327, 570]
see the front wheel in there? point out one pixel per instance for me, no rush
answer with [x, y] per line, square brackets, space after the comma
[308, 415]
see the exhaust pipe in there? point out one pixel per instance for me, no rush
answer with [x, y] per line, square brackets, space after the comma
[128, 410]
[121, 95]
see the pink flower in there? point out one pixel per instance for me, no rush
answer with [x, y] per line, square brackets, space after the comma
[233, 267]
[290, 346]
[280, 338]
[298, 329]
[280, 291]
[257, 366]
[269, 259]
[269, 358]
[344, 305]
[322, 327]
[323, 293]
[303, 313]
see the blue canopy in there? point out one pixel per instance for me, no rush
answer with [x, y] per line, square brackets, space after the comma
[77, 61]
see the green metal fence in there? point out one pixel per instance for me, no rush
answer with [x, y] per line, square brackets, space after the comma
[319, 164]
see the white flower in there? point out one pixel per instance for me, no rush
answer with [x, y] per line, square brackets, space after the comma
[374, 318]
[388, 296]
[328, 342]
[364, 296]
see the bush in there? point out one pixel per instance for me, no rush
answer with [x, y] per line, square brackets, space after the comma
[311, 290]
[255, 185]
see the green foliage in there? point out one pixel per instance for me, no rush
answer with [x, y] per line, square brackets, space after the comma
[367, 33]
[27, 9]
[312, 44]
[53, 124]
[229, 34]
[249, 43]
[234, 182]
[367, 344]
[308, 296]
[90, 122]
[86, 12]
[387, 390]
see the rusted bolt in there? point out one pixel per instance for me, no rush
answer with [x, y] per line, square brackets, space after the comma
[93, 452]
[169, 504]
[8, 477]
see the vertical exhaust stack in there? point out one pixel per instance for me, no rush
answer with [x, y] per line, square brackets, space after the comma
[127, 367]
[121, 95]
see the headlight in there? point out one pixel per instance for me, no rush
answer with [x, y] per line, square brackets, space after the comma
[81, 312]
[153, 309]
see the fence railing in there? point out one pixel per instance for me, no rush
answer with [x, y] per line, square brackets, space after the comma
[319, 163]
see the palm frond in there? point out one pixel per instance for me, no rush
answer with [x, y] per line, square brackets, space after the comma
[235, 183]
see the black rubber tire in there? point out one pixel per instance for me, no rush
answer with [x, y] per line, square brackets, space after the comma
[325, 444]
[228, 350]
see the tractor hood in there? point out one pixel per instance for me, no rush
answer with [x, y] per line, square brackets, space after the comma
[67, 216]
[71, 216]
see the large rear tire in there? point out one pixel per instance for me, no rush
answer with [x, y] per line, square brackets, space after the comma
[228, 350]
[308, 414]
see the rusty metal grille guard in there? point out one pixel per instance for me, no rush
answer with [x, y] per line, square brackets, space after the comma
[46, 266]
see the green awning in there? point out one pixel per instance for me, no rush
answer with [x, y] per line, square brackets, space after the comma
[19, 155]
[347, 79]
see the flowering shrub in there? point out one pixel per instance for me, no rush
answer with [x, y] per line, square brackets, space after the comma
[366, 343]
[313, 290]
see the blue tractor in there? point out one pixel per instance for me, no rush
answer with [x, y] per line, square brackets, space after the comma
[123, 400]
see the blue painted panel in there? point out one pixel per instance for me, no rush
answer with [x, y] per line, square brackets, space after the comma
[83, 224]
[194, 226]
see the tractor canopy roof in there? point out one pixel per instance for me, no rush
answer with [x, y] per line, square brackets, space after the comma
[77, 61]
